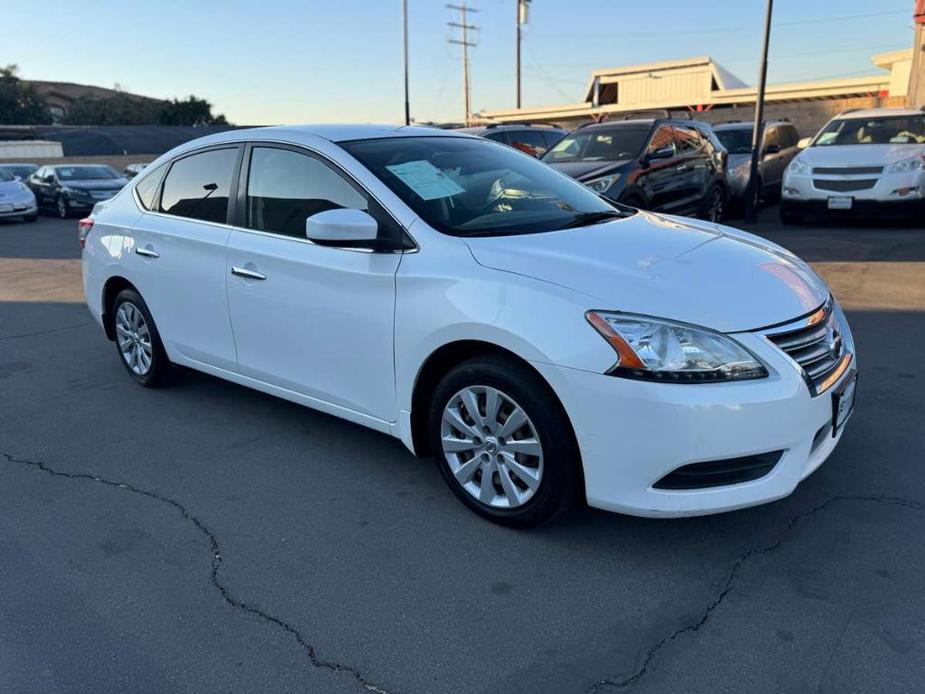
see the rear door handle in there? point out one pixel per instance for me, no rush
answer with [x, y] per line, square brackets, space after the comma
[147, 252]
[247, 274]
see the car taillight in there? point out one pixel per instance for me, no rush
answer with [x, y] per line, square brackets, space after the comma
[83, 228]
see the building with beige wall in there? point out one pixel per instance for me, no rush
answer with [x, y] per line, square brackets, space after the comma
[710, 92]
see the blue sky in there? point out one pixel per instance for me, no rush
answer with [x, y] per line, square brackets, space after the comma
[292, 61]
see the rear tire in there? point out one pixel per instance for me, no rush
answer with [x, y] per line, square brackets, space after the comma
[715, 204]
[512, 473]
[138, 343]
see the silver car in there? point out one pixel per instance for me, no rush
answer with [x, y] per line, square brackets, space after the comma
[777, 150]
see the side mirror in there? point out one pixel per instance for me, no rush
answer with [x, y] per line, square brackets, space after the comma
[661, 153]
[804, 143]
[772, 149]
[342, 225]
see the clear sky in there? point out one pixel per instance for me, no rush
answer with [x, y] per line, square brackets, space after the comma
[300, 61]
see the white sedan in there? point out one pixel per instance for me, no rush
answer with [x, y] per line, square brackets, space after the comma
[16, 200]
[543, 345]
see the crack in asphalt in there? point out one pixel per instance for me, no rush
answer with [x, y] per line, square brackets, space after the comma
[39, 333]
[215, 547]
[729, 583]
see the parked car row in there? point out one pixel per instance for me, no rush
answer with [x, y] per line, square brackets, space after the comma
[61, 189]
[863, 162]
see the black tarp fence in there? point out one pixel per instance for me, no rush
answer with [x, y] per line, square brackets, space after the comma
[123, 139]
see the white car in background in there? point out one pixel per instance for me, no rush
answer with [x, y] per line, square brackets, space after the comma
[868, 162]
[541, 343]
[16, 200]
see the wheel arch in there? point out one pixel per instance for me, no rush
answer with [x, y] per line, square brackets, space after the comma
[111, 289]
[438, 364]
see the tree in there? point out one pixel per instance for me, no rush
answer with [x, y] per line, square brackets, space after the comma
[19, 103]
[120, 109]
[191, 111]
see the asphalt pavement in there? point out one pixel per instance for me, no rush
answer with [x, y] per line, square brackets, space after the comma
[208, 538]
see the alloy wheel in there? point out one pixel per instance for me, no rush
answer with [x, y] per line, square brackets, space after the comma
[491, 446]
[134, 338]
[62, 208]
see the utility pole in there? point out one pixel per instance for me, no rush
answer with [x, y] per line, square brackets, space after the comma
[915, 97]
[522, 12]
[752, 192]
[404, 34]
[464, 41]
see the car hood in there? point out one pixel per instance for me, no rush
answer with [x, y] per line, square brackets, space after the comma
[10, 189]
[586, 170]
[96, 184]
[668, 267]
[854, 155]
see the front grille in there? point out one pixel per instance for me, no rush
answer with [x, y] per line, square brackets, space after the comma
[720, 473]
[818, 347]
[847, 170]
[844, 186]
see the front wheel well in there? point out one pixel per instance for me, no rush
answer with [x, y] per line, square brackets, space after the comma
[111, 290]
[438, 364]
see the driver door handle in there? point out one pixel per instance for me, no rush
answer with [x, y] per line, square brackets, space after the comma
[247, 274]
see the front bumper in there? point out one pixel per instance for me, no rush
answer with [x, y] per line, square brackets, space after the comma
[19, 208]
[633, 433]
[892, 194]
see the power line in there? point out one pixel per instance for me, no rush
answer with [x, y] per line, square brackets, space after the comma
[724, 30]
[464, 29]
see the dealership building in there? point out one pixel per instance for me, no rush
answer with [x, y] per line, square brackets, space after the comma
[709, 92]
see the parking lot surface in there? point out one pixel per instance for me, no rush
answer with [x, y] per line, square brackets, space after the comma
[209, 538]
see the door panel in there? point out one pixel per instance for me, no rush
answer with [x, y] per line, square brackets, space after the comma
[695, 172]
[659, 180]
[314, 319]
[321, 322]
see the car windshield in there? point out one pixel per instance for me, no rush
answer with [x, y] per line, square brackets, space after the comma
[901, 130]
[21, 170]
[736, 140]
[85, 173]
[474, 187]
[6, 176]
[613, 144]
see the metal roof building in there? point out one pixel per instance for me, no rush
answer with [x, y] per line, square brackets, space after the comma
[703, 86]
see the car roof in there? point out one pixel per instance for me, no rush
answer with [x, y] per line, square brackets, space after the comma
[879, 113]
[333, 133]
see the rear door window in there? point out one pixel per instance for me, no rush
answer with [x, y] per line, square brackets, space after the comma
[146, 188]
[199, 186]
[687, 139]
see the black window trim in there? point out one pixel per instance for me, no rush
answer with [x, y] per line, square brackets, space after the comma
[409, 244]
[232, 189]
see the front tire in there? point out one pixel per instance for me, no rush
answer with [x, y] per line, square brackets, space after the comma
[30, 218]
[503, 442]
[61, 208]
[137, 341]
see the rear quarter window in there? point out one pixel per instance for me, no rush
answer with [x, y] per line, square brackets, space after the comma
[146, 188]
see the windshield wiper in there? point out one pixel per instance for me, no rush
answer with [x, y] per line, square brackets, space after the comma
[588, 218]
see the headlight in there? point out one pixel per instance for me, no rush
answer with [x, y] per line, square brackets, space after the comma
[905, 165]
[657, 350]
[599, 185]
[798, 168]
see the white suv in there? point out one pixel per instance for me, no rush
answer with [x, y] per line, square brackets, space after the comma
[863, 162]
[453, 292]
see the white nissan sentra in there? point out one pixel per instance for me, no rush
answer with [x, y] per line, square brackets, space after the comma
[540, 343]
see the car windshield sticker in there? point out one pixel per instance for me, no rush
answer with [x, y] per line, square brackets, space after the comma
[425, 179]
